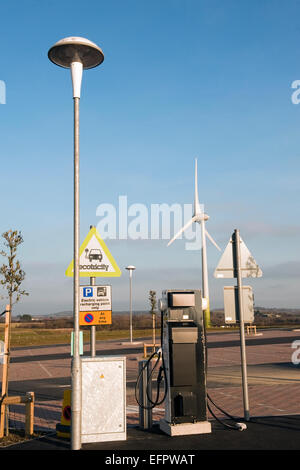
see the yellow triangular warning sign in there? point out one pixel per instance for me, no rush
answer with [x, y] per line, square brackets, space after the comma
[95, 259]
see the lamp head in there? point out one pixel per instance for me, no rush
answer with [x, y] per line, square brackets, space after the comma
[76, 49]
[130, 268]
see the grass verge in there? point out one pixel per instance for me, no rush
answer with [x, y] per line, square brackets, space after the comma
[22, 337]
[16, 436]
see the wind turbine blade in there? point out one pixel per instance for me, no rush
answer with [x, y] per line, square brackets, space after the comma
[212, 240]
[193, 219]
[197, 209]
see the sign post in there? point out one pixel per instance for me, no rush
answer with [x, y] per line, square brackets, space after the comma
[240, 312]
[6, 354]
[93, 328]
[237, 262]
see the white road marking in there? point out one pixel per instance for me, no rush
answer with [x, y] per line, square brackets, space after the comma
[42, 366]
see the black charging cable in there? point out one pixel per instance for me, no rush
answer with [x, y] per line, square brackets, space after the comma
[161, 375]
[238, 426]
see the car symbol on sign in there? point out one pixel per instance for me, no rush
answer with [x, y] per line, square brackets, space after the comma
[95, 255]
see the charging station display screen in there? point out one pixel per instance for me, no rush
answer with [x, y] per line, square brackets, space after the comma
[184, 299]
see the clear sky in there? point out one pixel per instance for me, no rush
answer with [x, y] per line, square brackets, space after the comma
[181, 79]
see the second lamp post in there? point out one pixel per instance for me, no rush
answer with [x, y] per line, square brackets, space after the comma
[130, 269]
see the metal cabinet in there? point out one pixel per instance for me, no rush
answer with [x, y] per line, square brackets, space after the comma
[103, 415]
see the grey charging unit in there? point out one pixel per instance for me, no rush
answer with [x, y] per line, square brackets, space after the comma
[183, 346]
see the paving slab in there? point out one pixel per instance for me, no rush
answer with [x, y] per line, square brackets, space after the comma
[274, 390]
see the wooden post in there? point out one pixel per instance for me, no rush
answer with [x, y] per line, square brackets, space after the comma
[153, 346]
[29, 414]
[28, 400]
[153, 326]
[5, 369]
[2, 418]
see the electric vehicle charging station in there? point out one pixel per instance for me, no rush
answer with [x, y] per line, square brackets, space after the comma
[184, 357]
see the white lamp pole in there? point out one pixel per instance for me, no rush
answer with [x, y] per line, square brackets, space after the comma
[76, 54]
[130, 269]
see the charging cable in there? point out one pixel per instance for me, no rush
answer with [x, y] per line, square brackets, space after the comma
[161, 375]
[237, 425]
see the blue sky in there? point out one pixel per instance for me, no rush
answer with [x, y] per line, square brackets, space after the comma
[181, 79]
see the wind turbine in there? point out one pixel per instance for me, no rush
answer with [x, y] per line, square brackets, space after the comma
[200, 217]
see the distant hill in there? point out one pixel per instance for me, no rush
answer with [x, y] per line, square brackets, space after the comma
[290, 311]
[63, 314]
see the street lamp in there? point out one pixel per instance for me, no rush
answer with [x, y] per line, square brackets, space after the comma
[76, 54]
[130, 269]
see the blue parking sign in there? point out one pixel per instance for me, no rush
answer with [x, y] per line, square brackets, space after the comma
[87, 292]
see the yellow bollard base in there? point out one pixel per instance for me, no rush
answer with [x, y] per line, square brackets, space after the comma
[63, 431]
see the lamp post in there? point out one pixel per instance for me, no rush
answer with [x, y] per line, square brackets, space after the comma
[130, 269]
[76, 54]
